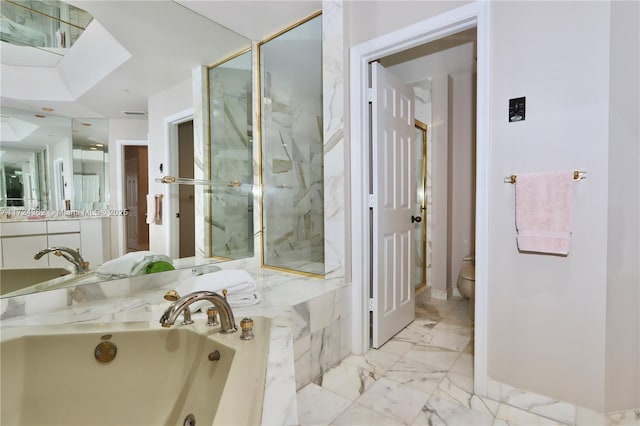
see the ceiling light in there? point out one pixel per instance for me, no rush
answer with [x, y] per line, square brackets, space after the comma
[47, 109]
[86, 124]
[40, 116]
[99, 145]
[93, 148]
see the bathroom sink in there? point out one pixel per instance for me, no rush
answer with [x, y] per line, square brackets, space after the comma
[132, 374]
[23, 287]
[16, 279]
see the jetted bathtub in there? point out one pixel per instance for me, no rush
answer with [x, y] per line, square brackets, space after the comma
[132, 374]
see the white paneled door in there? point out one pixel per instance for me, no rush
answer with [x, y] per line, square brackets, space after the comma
[394, 205]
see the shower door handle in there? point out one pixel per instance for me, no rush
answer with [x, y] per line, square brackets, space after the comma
[416, 219]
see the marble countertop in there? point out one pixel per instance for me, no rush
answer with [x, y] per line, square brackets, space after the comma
[9, 216]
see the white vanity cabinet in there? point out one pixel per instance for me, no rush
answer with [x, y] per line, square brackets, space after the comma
[21, 240]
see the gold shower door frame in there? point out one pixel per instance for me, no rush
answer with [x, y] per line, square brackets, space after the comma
[422, 127]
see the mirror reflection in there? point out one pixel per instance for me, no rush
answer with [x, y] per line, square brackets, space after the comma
[90, 164]
[52, 165]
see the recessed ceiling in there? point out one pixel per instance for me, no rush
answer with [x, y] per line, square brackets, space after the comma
[166, 40]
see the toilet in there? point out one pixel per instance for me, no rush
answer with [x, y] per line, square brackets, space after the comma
[467, 281]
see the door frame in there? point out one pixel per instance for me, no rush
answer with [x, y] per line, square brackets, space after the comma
[120, 201]
[171, 123]
[476, 14]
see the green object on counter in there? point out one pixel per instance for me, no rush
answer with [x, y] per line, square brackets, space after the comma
[159, 266]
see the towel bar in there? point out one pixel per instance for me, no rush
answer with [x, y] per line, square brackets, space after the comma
[577, 175]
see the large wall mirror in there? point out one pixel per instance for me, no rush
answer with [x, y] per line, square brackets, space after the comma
[292, 148]
[50, 163]
[54, 163]
[230, 198]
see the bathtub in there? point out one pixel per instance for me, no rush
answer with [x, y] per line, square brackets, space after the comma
[185, 375]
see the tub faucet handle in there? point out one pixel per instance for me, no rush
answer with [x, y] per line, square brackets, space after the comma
[171, 296]
[246, 324]
[212, 314]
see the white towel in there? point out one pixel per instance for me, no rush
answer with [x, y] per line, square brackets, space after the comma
[151, 209]
[240, 285]
[543, 212]
[129, 265]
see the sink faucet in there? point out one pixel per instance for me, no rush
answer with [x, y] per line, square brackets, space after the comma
[227, 320]
[71, 255]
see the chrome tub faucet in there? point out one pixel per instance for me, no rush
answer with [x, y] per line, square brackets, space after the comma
[71, 255]
[227, 320]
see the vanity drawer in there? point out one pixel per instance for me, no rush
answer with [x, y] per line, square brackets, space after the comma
[63, 226]
[18, 252]
[10, 229]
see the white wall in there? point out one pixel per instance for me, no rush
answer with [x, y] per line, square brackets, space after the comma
[452, 178]
[462, 177]
[623, 251]
[369, 19]
[440, 98]
[547, 313]
[169, 102]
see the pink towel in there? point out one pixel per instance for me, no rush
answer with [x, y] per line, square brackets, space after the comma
[543, 212]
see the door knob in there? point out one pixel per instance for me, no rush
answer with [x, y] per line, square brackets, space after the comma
[416, 219]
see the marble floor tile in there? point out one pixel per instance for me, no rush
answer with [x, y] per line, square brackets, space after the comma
[416, 374]
[347, 380]
[375, 361]
[397, 347]
[513, 416]
[394, 400]
[318, 406]
[444, 339]
[438, 412]
[458, 389]
[626, 418]
[423, 325]
[539, 404]
[463, 365]
[437, 357]
[453, 327]
[357, 415]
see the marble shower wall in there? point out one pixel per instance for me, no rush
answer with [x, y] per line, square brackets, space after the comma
[292, 150]
[201, 163]
[231, 158]
[422, 91]
[333, 92]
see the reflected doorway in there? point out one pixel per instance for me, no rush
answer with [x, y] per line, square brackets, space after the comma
[136, 186]
[186, 193]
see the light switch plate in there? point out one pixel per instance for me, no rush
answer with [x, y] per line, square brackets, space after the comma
[517, 109]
